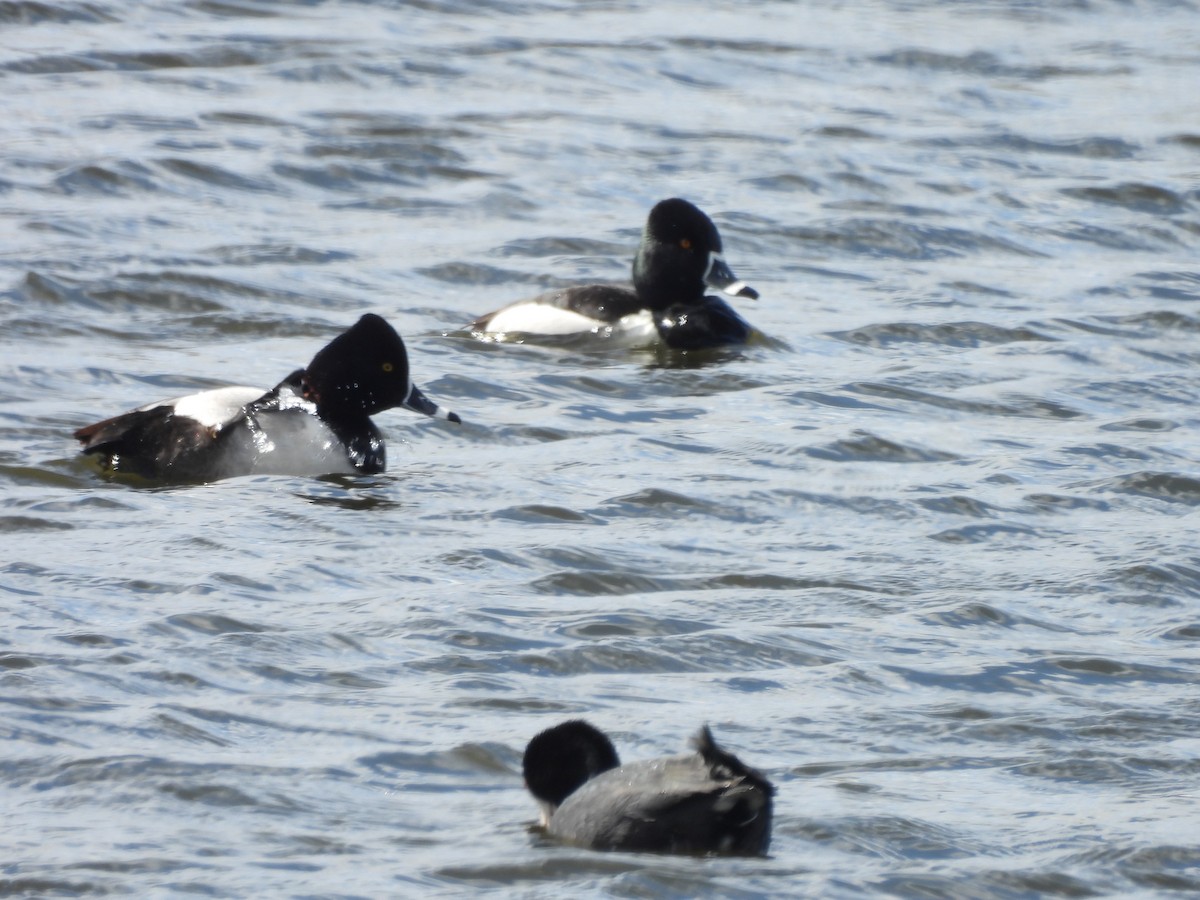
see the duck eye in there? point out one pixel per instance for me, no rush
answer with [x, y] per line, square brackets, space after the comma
[387, 367]
[685, 244]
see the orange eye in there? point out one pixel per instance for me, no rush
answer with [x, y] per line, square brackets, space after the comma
[387, 367]
[685, 244]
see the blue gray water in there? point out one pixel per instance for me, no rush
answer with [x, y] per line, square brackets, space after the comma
[928, 556]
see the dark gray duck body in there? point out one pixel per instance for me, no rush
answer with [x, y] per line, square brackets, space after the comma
[703, 802]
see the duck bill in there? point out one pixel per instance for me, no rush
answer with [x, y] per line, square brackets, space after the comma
[419, 403]
[720, 276]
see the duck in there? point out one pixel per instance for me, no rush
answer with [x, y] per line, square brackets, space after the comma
[679, 257]
[699, 803]
[317, 421]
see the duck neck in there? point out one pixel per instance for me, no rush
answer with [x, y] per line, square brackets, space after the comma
[660, 284]
[363, 442]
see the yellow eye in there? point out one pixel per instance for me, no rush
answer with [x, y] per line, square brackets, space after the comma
[685, 244]
[387, 367]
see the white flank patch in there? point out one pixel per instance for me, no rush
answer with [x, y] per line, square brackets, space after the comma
[636, 330]
[292, 442]
[540, 318]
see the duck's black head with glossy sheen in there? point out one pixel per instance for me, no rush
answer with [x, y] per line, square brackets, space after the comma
[362, 371]
[679, 256]
[559, 760]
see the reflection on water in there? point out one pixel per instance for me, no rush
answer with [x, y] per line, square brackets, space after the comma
[922, 553]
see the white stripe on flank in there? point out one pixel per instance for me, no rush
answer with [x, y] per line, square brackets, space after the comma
[211, 408]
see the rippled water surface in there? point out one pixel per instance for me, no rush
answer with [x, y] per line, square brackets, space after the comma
[926, 553]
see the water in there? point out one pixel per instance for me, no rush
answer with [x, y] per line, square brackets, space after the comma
[927, 556]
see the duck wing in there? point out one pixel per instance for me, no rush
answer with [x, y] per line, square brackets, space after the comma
[693, 803]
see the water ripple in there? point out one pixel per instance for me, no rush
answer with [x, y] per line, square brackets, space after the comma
[920, 552]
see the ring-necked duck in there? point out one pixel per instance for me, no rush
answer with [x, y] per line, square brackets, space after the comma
[679, 255]
[314, 422]
[702, 802]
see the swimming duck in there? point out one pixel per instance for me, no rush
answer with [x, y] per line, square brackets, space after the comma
[314, 422]
[703, 802]
[679, 255]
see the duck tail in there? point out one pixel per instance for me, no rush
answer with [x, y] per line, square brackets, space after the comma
[723, 764]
